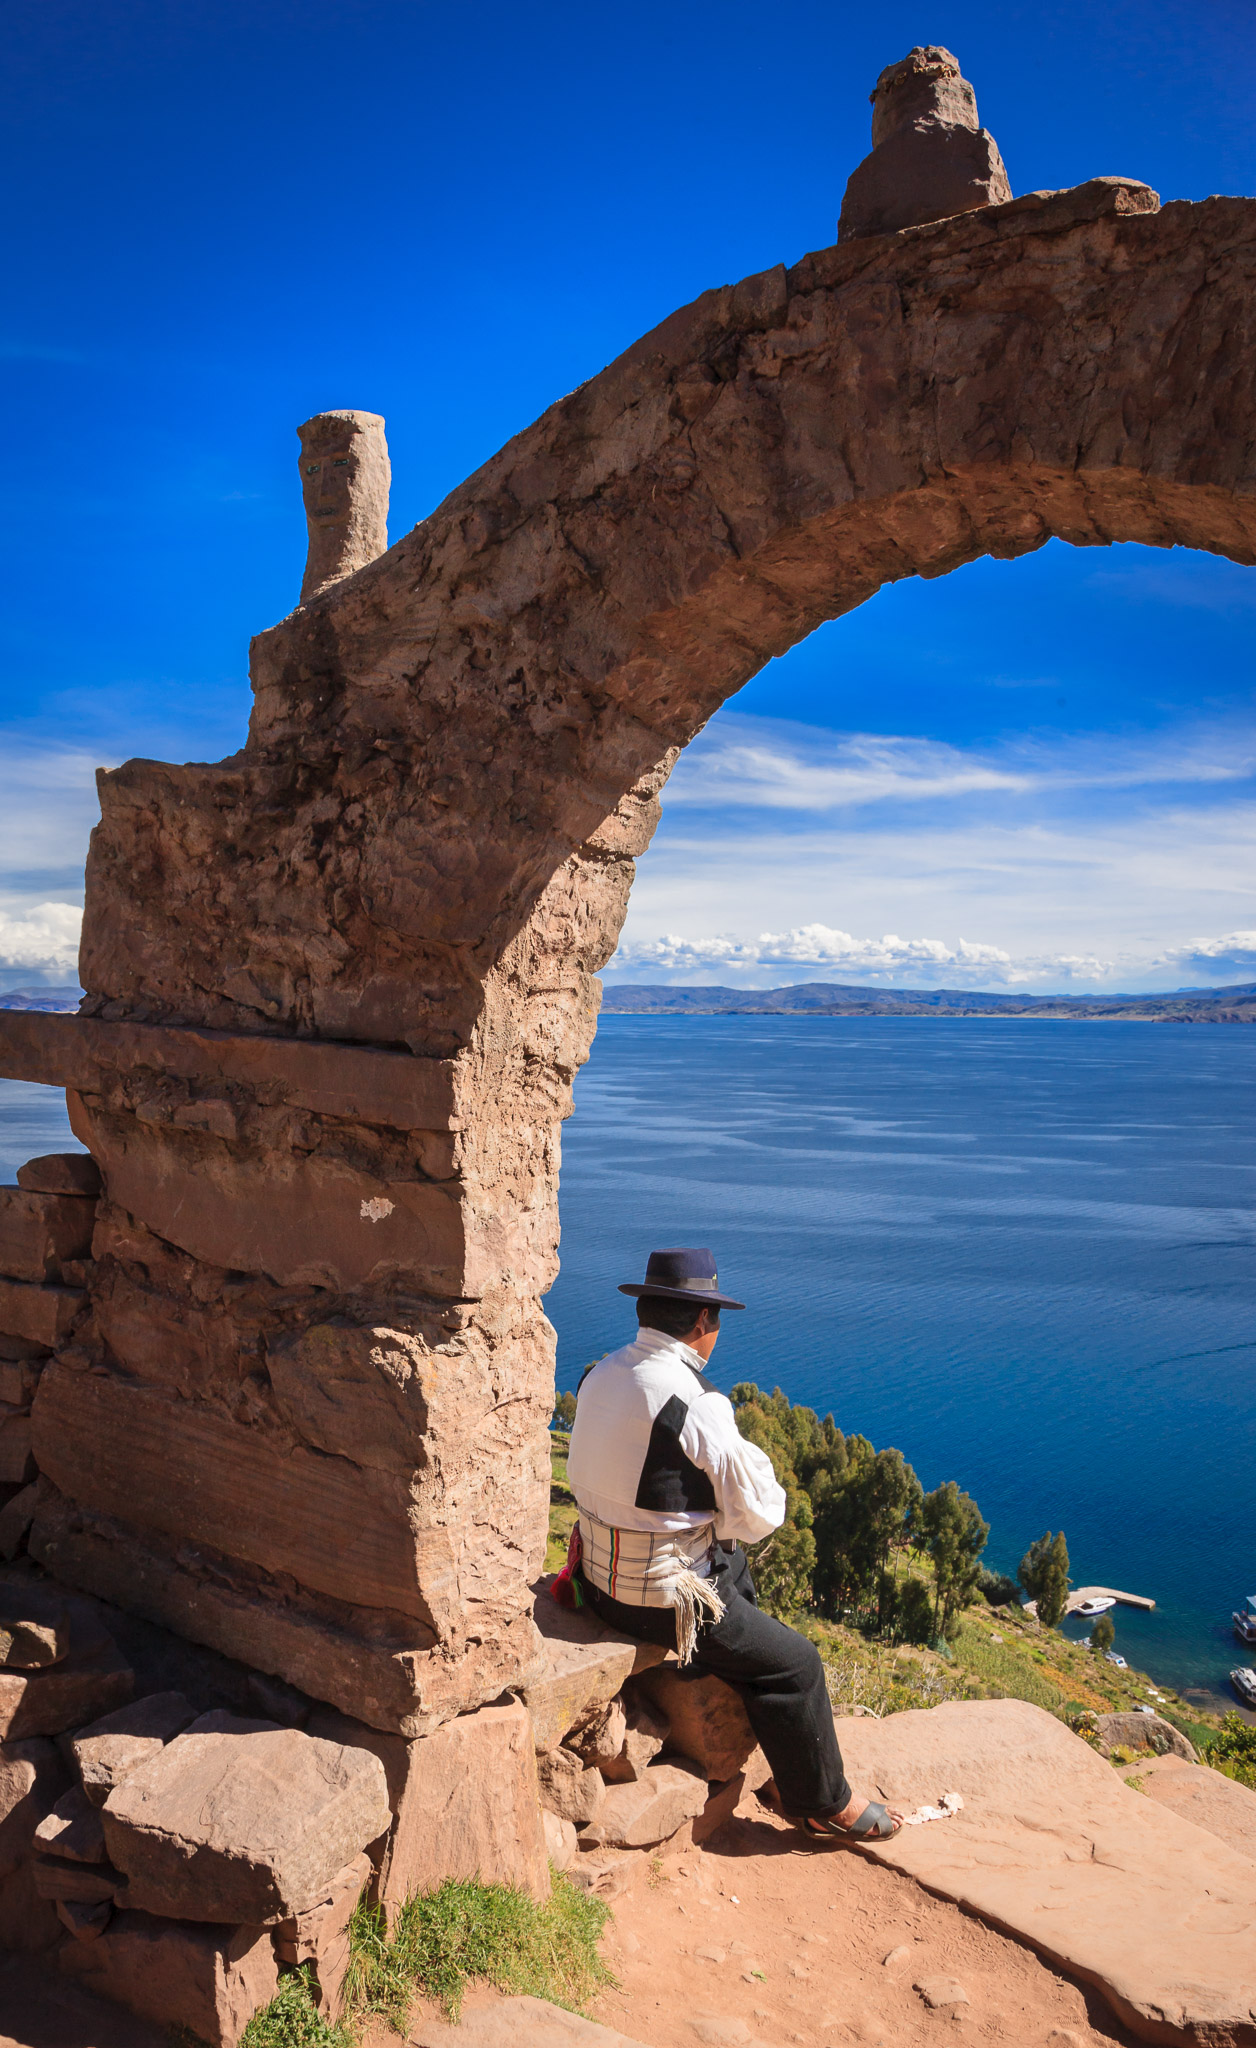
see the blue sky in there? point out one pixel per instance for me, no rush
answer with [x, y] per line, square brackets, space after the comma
[225, 218]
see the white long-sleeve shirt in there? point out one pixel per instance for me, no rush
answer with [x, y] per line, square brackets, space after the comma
[655, 1446]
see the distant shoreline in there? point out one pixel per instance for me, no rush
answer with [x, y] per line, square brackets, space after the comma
[1233, 1005]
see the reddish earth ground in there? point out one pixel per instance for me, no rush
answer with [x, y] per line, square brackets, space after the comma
[757, 1938]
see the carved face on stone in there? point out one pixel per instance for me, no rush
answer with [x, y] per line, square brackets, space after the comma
[327, 475]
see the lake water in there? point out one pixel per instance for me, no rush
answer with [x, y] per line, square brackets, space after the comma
[1024, 1252]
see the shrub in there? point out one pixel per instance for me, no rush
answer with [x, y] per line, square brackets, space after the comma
[1233, 1750]
[466, 1930]
[997, 1589]
[292, 2020]
[1103, 1634]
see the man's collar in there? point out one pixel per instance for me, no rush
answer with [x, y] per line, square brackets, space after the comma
[658, 1340]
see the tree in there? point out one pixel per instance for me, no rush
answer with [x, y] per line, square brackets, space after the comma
[783, 1562]
[1103, 1634]
[915, 1612]
[1043, 1572]
[564, 1412]
[861, 1518]
[953, 1534]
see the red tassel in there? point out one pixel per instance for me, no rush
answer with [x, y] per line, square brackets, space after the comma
[565, 1589]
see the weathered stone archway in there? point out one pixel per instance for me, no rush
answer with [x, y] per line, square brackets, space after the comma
[339, 984]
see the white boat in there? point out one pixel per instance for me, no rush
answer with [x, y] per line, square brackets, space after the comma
[1244, 1682]
[1245, 1620]
[1089, 1607]
[1111, 1657]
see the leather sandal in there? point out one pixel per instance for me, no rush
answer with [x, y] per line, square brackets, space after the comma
[873, 1825]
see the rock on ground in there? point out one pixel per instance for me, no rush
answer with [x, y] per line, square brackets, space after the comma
[1202, 1796]
[210, 1980]
[705, 1717]
[1147, 1732]
[247, 1827]
[648, 1809]
[1054, 1848]
[468, 1807]
[569, 1787]
[108, 1750]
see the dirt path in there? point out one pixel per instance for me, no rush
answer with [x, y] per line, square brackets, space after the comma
[755, 1938]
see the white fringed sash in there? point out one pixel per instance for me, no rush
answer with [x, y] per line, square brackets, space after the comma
[644, 1568]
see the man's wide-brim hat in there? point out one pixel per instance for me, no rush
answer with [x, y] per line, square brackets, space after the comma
[683, 1273]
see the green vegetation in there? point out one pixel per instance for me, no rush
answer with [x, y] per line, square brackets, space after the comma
[562, 1519]
[564, 1412]
[443, 1941]
[1043, 1572]
[487, 1932]
[1103, 1634]
[292, 2020]
[1233, 1750]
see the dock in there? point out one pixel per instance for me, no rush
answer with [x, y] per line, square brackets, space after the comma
[1081, 1593]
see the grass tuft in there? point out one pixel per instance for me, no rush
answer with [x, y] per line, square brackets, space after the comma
[467, 1932]
[292, 2020]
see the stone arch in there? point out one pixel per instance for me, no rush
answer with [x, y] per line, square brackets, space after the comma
[357, 960]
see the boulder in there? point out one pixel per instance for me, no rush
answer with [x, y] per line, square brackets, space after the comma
[39, 1315]
[210, 1980]
[108, 1750]
[34, 1629]
[645, 1732]
[465, 1803]
[706, 1720]
[561, 1840]
[243, 1827]
[38, 1233]
[72, 1828]
[61, 1173]
[599, 1734]
[32, 1777]
[91, 1883]
[1147, 1732]
[584, 1664]
[91, 1677]
[319, 1937]
[1053, 1848]
[1204, 1797]
[650, 1809]
[568, 1786]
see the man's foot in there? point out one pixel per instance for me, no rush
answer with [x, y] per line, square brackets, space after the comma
[860, 1820]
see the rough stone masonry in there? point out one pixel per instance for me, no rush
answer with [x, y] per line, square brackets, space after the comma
[293, 1403]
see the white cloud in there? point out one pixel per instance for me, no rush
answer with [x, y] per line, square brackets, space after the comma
[833, 955]
[773, 764]
[40, 939]
[1231, 957]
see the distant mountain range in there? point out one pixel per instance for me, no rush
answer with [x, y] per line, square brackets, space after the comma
[40, 998]
[1235, 1005]
[837, 999]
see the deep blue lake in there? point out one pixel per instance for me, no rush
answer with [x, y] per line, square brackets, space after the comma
[1024, 1252]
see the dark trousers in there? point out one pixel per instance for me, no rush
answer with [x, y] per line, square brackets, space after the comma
[777, 1672]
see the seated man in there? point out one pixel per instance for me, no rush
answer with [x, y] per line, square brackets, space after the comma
[666, 1486]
